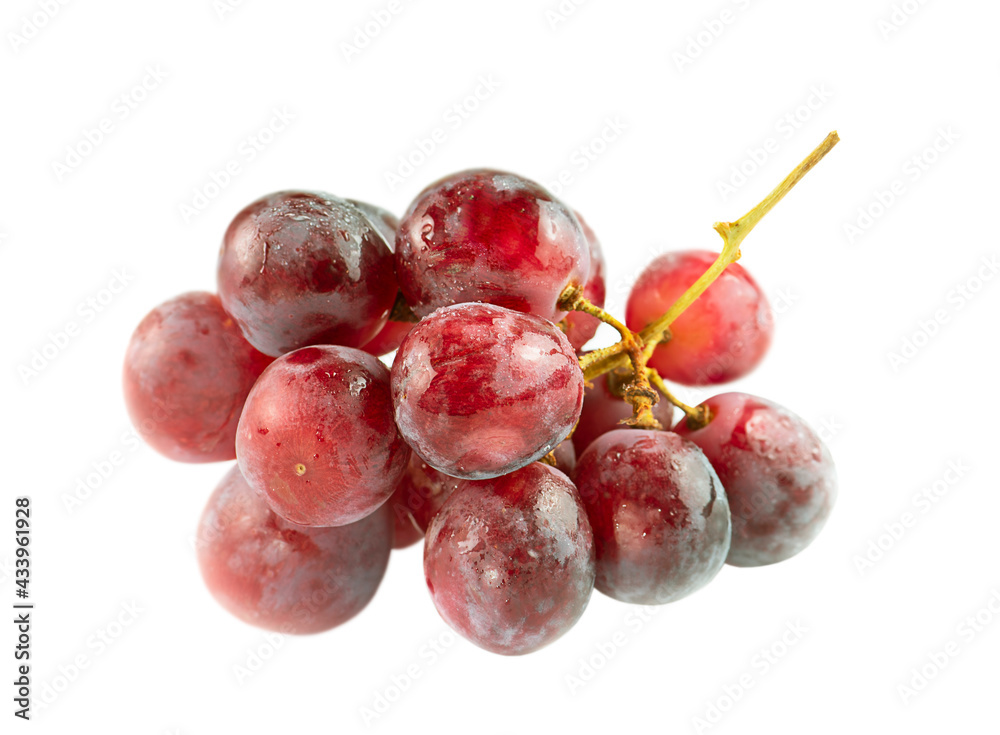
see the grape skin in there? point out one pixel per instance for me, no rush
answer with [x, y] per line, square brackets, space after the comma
[722, 336]
[659, 514]
[279, 576]
[301, 268]
[580, 327]
[603, 411]
[417, 499]
[509, 561]
[480, 390]
[778, 475]
[317, 437]
[485, 235]
[186, 375]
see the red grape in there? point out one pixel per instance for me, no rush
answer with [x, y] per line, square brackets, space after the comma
[490, 236]
[510, 561]
[580, 327]
[389, 338]
[299, 268]
[187, 373]
[722, 336]
[280, 576]
[778, 475]
[481, 390]
[317, 437]
[565, 455]
[659, 515]
[604, 408]
[417, 499]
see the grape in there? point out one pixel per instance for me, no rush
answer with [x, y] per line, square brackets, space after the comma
[510, 561]
[580, 327]
[187, 372]
[417, 499]
[299, 268]
[317, 438]
[385, 221]
[778, 475]
[604, 408]
[481, 390]
[390, 337]
[280, 576]
[491, 236]
[722, 336]
[659, 515]
[565, 455]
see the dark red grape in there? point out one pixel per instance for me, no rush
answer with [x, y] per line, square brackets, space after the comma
[417, 499]
[658, 512]
[565, 455]
[301, 268]
[481, 390]
[722, 336]
[385, 221]
[580, 327]
[604, 408]
[490, 236]
[280, 576]
[317, 437]
[510, 561]
[389, 338]
[778, 475]
[187, 373]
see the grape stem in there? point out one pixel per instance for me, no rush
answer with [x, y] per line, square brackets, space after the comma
[638, 391]
[697, 416]
[733, 233]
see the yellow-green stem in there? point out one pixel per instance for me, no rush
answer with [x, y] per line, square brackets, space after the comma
[733, 234]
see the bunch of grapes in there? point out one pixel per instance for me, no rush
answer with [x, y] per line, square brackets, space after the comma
[532, 471]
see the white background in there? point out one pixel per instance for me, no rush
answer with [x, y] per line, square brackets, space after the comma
[894, 86]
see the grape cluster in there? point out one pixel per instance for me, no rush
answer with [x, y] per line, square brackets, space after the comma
[532, 471]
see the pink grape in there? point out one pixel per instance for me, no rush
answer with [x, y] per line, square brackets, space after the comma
[187, 373]
[279, 576]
